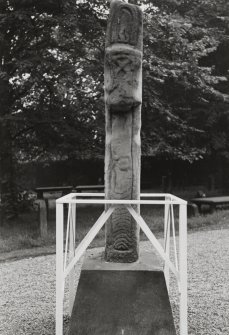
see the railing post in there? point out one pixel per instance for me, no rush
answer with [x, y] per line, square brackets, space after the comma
[183, 269]
[59, 268]
[167, 218]
[71, 256]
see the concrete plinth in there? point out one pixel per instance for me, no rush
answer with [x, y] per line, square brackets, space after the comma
[148, 260]
[116, 299]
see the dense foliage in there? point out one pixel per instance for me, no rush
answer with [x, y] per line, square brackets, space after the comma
[51, 80]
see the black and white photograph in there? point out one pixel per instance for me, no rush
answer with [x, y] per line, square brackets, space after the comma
[114, 167]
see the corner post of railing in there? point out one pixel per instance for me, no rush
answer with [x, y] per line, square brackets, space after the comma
[183, 268]
[59, 268]
[71, 256]
[167, 218]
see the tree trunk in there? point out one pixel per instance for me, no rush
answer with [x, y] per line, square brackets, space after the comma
[123, 96]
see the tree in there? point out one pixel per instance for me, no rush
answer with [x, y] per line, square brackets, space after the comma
[185, 93]
[52, 77]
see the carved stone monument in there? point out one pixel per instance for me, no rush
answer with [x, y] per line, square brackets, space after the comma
[123, 98]
[114, 297]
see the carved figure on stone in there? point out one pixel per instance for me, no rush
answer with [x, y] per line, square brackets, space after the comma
[122, 78]
[123, 97]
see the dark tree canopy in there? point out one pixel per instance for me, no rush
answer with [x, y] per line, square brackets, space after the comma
[51, 80]
[54, 60]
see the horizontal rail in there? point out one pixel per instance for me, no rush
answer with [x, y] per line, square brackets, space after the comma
[64, 199]
[120, 202]
[153, 195]
[88, 239]
[102, 194]
[183, 202]
[73, 196]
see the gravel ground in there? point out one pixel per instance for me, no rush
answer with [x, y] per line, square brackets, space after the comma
[27, 296]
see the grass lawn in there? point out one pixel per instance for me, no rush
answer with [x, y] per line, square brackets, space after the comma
[24, 232]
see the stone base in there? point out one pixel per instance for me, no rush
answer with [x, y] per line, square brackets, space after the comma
[116, 299]
[148, 261]
[119, 256]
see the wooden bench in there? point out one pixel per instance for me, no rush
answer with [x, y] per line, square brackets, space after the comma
[212, 202]
[43, 207]
[86, 188]
[63, 189]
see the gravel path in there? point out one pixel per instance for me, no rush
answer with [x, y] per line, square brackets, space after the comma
[27, 296]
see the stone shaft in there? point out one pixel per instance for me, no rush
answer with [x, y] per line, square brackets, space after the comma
[123, 97]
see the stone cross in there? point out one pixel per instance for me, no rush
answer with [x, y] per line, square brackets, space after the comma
[123, 98]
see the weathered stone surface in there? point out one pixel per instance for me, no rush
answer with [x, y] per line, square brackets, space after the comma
[122, 78]
[123, 96]
[124, 25]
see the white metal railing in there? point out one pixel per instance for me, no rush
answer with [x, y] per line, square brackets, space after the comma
[66, 258]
